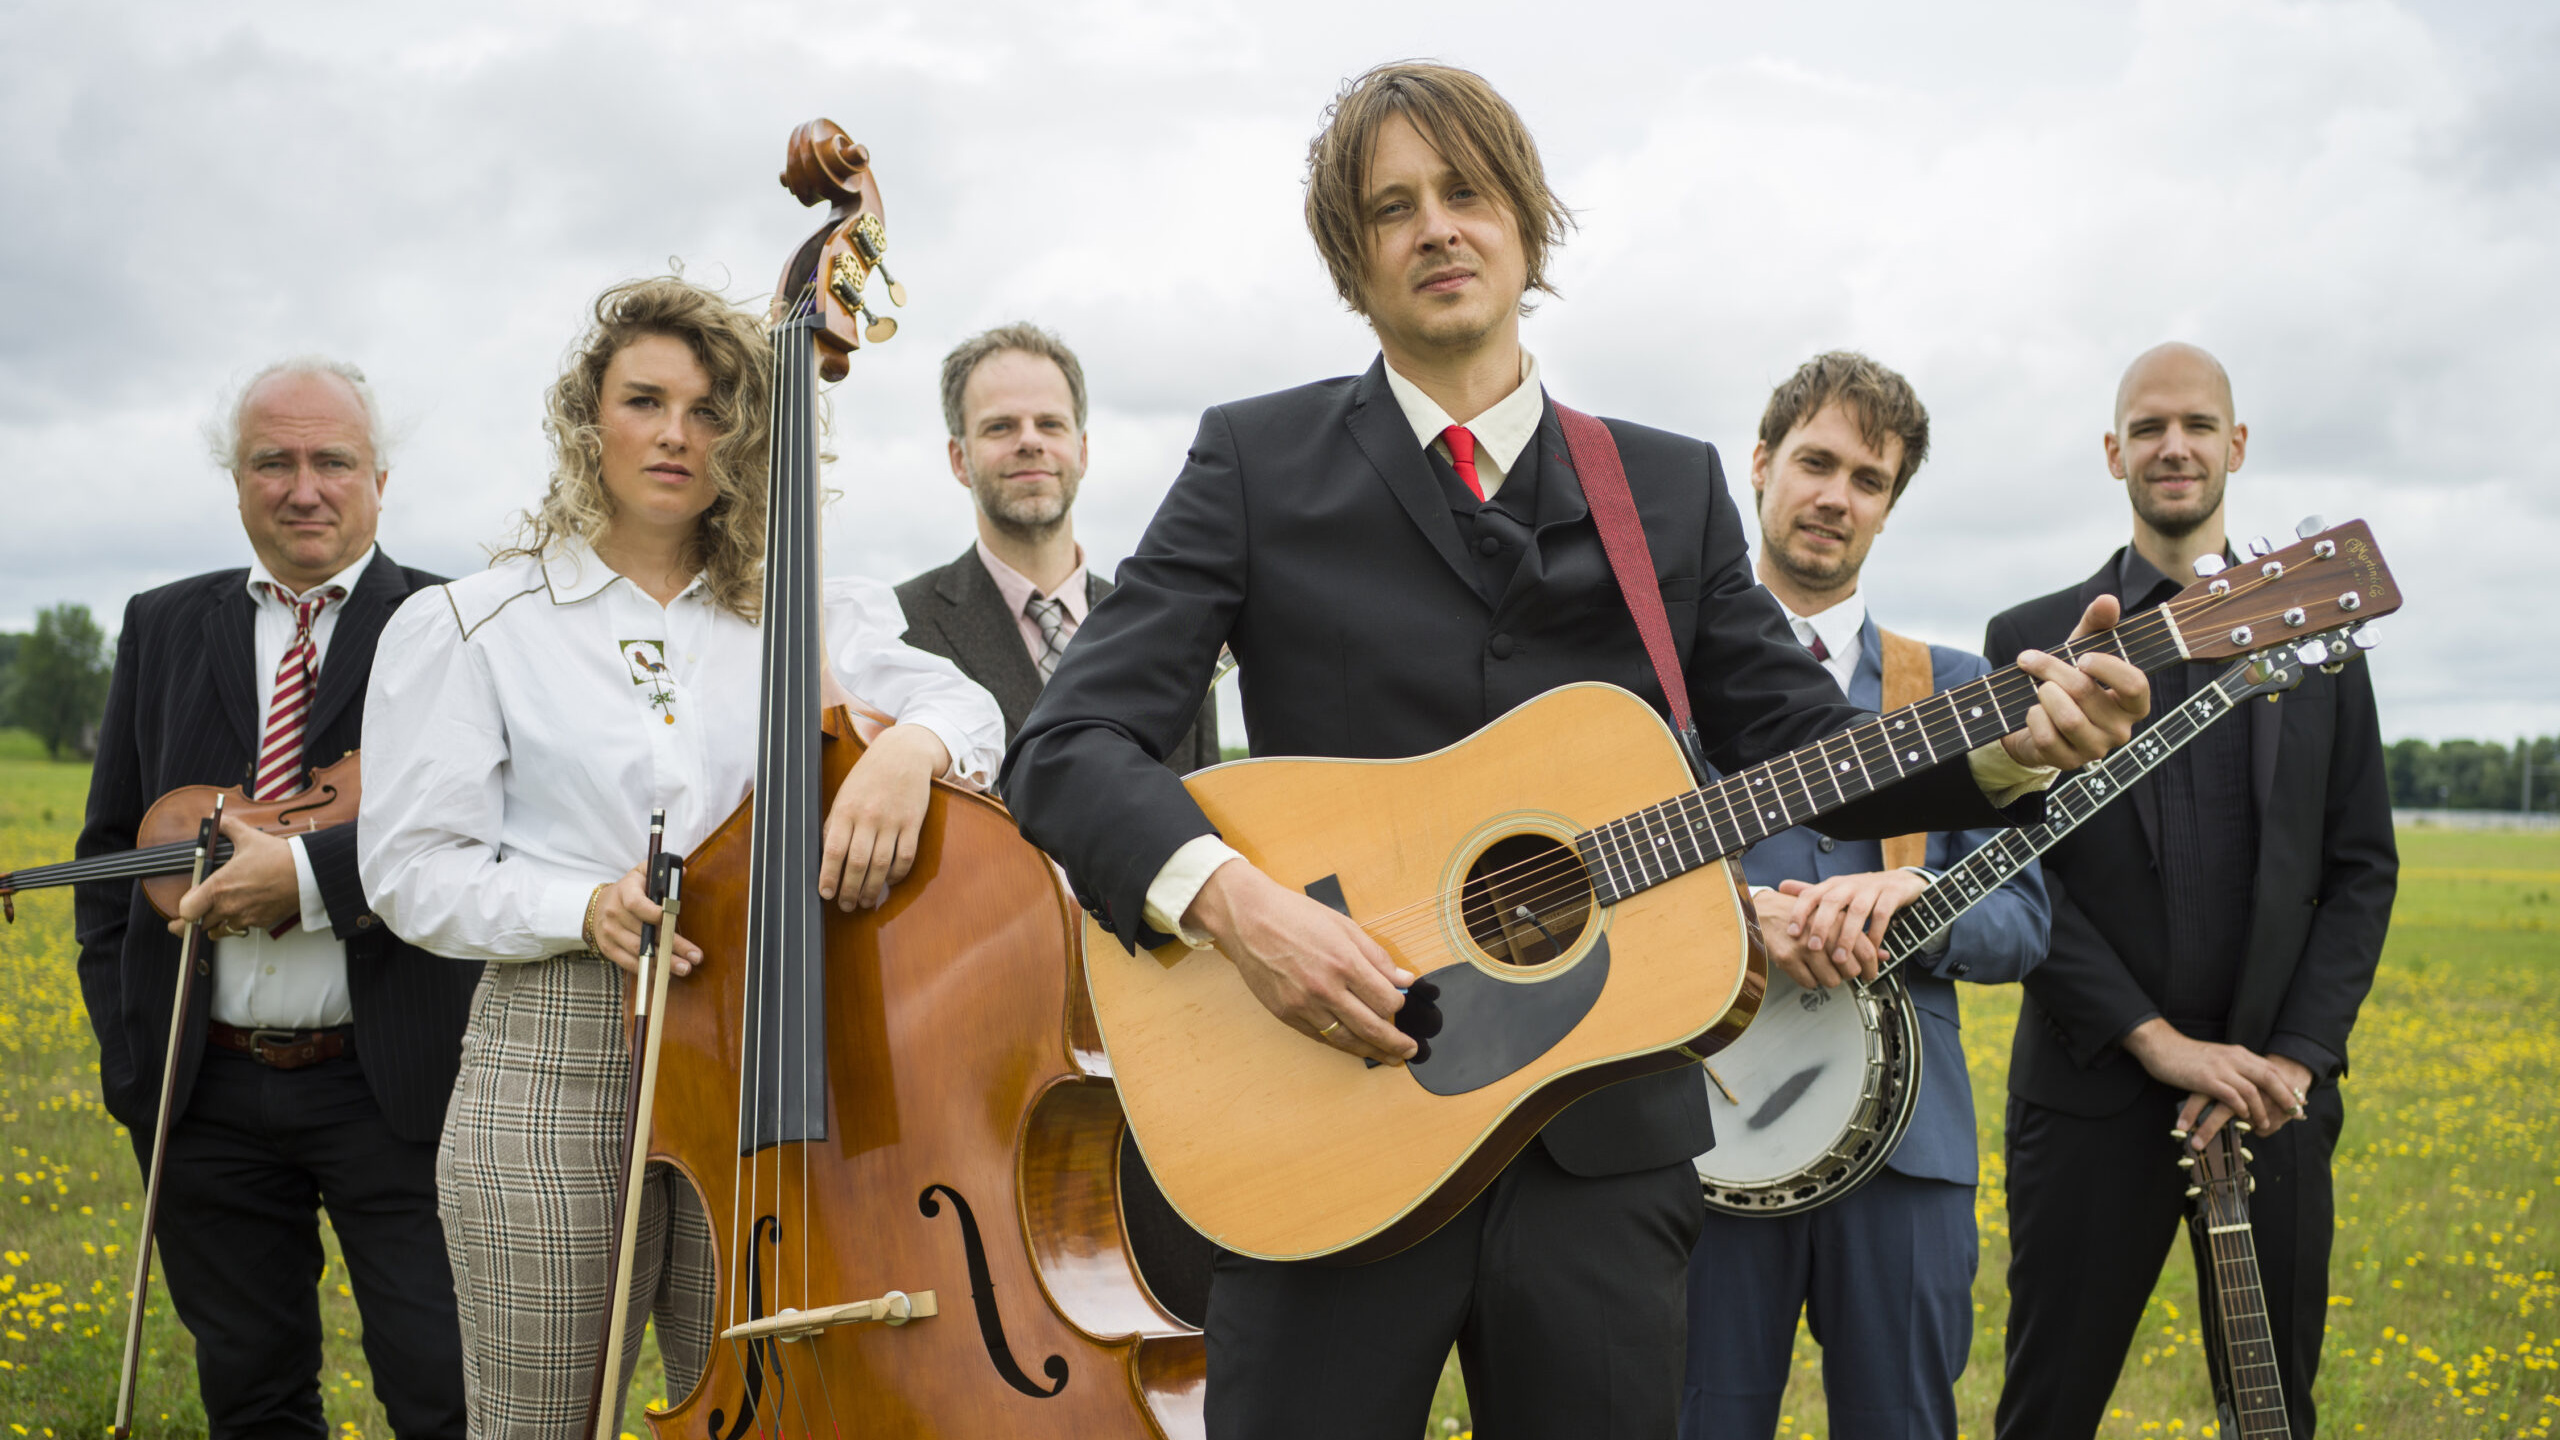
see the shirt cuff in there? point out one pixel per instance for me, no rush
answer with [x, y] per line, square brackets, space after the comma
[560, 918]
[315, 909]
[1179, 882]
[2310, 1054]
[2003, 779]
[957, 741]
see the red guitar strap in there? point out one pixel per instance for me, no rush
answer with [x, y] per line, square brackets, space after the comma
[1613, 509]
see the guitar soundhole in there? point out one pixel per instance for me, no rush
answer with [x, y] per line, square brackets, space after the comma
[1526, 900]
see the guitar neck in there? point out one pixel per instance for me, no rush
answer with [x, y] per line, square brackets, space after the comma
[2244, 1360]
[1971, 880]
[1661, 842]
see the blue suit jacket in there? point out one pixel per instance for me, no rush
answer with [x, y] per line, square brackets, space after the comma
[1996, 942]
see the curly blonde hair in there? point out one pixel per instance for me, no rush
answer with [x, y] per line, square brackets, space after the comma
[733, 348]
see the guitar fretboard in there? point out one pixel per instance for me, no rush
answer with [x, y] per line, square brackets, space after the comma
[2247, 1362]
[1967, 882]
[1635, 852]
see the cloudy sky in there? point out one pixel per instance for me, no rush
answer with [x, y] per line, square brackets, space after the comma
[2357, 205]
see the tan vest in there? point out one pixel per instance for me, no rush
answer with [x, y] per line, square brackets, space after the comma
[1906, 682]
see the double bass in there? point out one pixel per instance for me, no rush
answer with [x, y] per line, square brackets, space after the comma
[901, 1121]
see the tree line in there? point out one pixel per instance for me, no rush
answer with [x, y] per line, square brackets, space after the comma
[53, 683]
[53, 679]
[2476, 775]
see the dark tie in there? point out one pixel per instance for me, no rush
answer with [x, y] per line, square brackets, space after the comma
[1051, 617]
[1813, 642]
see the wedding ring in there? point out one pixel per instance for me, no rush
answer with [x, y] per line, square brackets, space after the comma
[1329, 1029]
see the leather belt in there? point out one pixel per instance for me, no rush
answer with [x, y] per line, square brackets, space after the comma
[283, 1049]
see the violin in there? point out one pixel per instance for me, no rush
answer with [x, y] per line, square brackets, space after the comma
[164, 847]
[900, 1121]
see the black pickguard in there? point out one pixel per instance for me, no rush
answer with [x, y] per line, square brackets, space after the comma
[1491, 1028]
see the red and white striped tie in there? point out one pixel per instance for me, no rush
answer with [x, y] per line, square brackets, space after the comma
[297, 676]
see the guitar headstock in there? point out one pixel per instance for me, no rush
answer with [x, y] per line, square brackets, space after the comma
[2218, 1175]
[2326, 578]
[833, 267]
[2282, 666]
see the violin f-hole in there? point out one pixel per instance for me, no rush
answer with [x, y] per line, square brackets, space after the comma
[982, 1290]
[328, 795]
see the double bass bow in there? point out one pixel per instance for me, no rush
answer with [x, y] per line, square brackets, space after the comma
[900, 1120]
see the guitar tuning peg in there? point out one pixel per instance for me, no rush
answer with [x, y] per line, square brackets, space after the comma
[2311, 525]
[2186, 1162]
[2313, 652]
[2177, 1134]
[2208, 566]
[2240, 1125]
[2333, 667]
[2259, 545]
[2194, 1190]
[2253, 1184]
[2248, 1154]
[2365, 638]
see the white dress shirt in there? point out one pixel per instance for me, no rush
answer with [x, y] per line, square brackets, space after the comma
[1840, 631]
[296, 981]
[524, 721]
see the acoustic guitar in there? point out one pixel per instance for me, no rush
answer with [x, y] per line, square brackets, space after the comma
[2240, 1347]
[1561, 882]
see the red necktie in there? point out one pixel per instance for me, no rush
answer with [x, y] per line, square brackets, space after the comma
[1462, 454]
[280, 757]
[1820, 650]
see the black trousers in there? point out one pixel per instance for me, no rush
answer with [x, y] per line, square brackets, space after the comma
[252, 1160]
[2093, 1208]
[1565, 1296]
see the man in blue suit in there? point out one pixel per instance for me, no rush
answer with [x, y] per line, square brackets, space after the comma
[1884, 1274]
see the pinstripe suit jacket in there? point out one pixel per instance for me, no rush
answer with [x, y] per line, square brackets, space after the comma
[182, 710]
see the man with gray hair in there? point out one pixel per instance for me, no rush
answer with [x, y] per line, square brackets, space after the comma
[1013, 399]
[321, 1052]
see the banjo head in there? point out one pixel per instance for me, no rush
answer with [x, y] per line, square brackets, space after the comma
[1822, 1085]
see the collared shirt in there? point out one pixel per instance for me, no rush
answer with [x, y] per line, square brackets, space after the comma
[1841, 629]
[1502, 431]
[1018, 593]
[296, 981]
[2208, 843]
[523, 722]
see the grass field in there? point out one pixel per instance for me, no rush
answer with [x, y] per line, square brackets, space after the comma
[2441, 1322]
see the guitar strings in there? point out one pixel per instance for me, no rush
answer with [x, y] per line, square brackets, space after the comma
[1566, 869]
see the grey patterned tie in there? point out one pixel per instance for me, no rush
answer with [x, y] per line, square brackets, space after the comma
[1051, 617]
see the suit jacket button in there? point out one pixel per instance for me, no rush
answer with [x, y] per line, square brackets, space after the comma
[1488, 547]
[364, 922]
[1501, 647]
[1824, 844]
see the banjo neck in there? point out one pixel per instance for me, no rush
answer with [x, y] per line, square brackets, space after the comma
[1970, 881]
[2240, 1348]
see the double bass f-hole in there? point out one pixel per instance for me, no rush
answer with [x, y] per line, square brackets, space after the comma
[768, 1231]
[982, 1291]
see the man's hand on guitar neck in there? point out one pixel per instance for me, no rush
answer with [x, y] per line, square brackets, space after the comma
[1308, 963]
[2222, 1081]
[2083, 711]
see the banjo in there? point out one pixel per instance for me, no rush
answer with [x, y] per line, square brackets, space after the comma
[1814, 1097]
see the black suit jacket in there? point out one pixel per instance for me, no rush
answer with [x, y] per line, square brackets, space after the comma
[1309, 533]
[2327, 870]
[957, 612]
[182, 710]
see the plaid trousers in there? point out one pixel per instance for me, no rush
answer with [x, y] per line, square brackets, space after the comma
[524, 1183]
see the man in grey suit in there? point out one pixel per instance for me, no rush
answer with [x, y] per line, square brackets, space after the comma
[1004, 611]
[1014, 401]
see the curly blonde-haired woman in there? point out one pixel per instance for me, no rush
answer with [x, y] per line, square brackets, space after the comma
[521, 725]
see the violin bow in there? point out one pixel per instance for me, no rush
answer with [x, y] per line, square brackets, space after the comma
[648, 1027]
[191, 961]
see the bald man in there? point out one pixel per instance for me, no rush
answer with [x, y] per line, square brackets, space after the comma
[2211, 944]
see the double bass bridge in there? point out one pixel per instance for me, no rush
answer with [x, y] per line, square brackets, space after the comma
[893, 1309]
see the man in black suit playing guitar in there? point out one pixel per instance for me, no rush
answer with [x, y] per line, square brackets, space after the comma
[321, 1049]
[1397, 559]
[2211, 944]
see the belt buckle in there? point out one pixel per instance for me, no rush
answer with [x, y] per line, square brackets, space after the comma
[263, 1042]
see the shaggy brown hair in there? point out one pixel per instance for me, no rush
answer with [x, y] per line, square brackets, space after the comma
[727, 548]
[1463, 118]
[1881, 401]
[977, 350]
